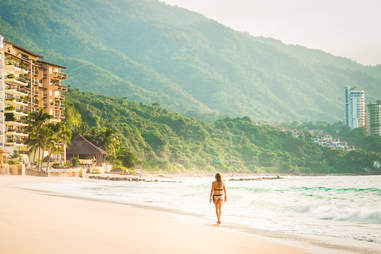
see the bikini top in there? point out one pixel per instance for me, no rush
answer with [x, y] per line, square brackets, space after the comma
[218, 189]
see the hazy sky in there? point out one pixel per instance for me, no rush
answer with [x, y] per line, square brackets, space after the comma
[350, 28]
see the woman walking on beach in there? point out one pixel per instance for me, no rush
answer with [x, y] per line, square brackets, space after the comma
[217, 193]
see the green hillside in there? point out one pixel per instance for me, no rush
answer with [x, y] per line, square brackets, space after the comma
[165, 140]
[150, 52]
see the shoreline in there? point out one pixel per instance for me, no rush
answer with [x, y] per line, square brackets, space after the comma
[307, 243]
[315, 244]
[46, 223]
[310, 244]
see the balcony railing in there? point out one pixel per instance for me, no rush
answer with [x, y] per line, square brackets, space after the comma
[60, 75]
[62, 87]
[17, 64]
[19, 81]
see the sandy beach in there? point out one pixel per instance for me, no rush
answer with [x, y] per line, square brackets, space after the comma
[36, 222]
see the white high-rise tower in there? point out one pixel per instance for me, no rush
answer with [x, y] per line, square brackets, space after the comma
[354, 107]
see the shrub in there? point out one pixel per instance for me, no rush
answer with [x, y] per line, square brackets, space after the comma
[10, 117]
[10, 108]
[75, 162]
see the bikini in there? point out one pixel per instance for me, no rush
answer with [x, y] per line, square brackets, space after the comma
[218, 196]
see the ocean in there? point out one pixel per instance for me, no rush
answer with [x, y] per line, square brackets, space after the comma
[339, 207]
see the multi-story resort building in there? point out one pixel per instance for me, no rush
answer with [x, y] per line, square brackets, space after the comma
[2, 94]
[374, 118]
[354, 107]
[27, 84]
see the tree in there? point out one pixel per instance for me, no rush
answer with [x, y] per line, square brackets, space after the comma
[43, 135]
[111, 141]
[37, 134]
[127, 158]
[60, 136]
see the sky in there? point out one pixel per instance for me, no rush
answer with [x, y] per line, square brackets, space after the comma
[349, 28]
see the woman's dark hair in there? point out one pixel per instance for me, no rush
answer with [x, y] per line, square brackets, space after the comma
[219, 179]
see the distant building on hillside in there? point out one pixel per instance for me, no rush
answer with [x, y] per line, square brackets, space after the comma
[374, 118]
[354, 107]
[327, 140]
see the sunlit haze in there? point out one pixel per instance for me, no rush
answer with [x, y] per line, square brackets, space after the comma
[348, 28]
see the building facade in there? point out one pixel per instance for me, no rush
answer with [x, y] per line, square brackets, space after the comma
[2, 94]
[28, 85]
[374, 118]
[354, 108]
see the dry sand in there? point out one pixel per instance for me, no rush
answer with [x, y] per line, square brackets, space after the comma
[35, 222]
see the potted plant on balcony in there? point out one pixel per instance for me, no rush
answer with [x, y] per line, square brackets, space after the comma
[11, 75]
[10, 117]
[23, 66]
[10, 108]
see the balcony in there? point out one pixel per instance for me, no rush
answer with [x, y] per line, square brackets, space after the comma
[62, 87]
[15, 111]
[60, 75]
[16, 64]
[15, 123]
[16, 133]
[16, 102]
[10, 142]
[16, 92]
[16, 81]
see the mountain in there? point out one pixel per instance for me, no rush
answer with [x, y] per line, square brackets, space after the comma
[151, 52]
[164, 140]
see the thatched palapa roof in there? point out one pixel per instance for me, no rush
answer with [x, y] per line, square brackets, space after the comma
[80, 145]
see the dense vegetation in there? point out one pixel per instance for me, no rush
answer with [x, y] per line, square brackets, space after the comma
[45, 136]
[150, 52]
[164, 140]
[356, 137]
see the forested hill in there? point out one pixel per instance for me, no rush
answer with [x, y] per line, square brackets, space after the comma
[148, 51]
[167, 141]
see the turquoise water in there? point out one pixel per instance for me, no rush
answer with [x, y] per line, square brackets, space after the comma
[345, 207]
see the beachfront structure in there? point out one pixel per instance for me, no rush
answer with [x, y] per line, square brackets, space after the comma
[374, 118]
[87, 153]
[28, 85]
[354, 107]
[2, 94]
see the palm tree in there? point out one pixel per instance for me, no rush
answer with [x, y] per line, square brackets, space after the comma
[35, 121]
[44, 136]
[111, 141]
[60, 137]
[63, 137]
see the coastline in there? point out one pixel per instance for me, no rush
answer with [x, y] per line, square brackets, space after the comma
[181, 219]
[38, 222]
